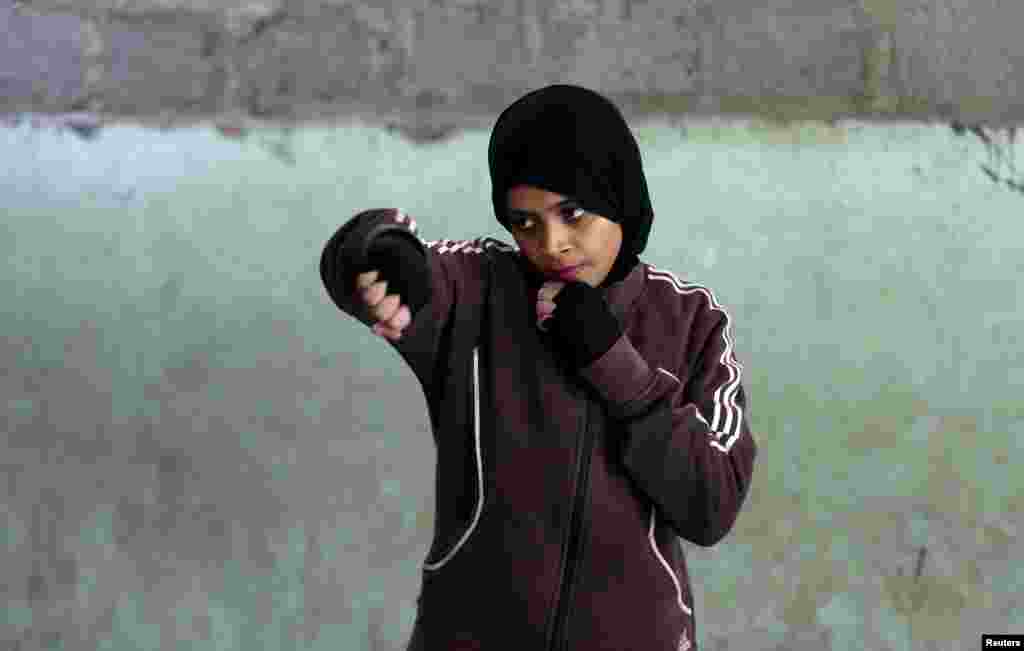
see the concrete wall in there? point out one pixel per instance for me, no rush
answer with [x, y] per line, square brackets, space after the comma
[199, 451]
[436, 64]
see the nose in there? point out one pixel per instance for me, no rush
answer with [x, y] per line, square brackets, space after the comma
[555, 240]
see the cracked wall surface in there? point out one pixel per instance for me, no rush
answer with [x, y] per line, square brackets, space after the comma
[197, 448]
[453, 63]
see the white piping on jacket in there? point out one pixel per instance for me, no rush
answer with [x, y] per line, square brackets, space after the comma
[725, 394]
[480, 501]
[479, 468]
[668, 568]
[650, 531]
[478, 245]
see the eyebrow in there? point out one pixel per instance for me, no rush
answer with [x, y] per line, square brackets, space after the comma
[530, 213]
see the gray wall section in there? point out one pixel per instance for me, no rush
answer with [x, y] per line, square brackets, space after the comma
[197, 445]
[458, 61]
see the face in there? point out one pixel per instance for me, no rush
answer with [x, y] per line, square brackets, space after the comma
[553, 232]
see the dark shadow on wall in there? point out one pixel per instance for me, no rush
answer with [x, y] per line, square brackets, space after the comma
[84, 125]
[1000, 154]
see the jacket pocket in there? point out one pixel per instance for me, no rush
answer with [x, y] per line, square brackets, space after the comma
[437, 559]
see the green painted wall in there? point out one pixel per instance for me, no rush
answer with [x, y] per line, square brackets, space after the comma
[201, 452]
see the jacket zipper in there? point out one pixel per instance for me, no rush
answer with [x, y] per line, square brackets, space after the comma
[571, 552]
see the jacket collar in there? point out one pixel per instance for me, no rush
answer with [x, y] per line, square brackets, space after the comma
[621, 296]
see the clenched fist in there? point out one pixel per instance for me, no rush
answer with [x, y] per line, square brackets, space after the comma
[386, 311]
[546, 302]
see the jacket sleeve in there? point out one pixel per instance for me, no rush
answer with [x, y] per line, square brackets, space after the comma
[688, 442]
[455, 280]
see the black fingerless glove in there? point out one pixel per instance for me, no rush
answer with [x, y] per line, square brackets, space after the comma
[584, 324]
[378, 239]
[402, 264]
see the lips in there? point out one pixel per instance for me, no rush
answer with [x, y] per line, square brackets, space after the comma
[568, 272]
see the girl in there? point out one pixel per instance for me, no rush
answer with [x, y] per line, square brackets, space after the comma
[587, 408]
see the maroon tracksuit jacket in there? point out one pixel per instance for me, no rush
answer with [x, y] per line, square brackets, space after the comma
[559, 495]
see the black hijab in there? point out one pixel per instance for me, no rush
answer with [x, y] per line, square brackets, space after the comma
[573, 141]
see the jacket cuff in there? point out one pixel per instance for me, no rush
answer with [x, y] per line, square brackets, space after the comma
[622, 377]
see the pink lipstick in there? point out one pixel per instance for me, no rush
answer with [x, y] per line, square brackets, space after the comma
[569, 273]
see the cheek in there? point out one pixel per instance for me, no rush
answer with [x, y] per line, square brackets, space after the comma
[532, 246]
[528, 249]
[615, 244]
[610, 248]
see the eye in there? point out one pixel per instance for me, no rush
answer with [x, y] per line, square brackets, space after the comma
[573, 213]
[569, 212]
[517, 222]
